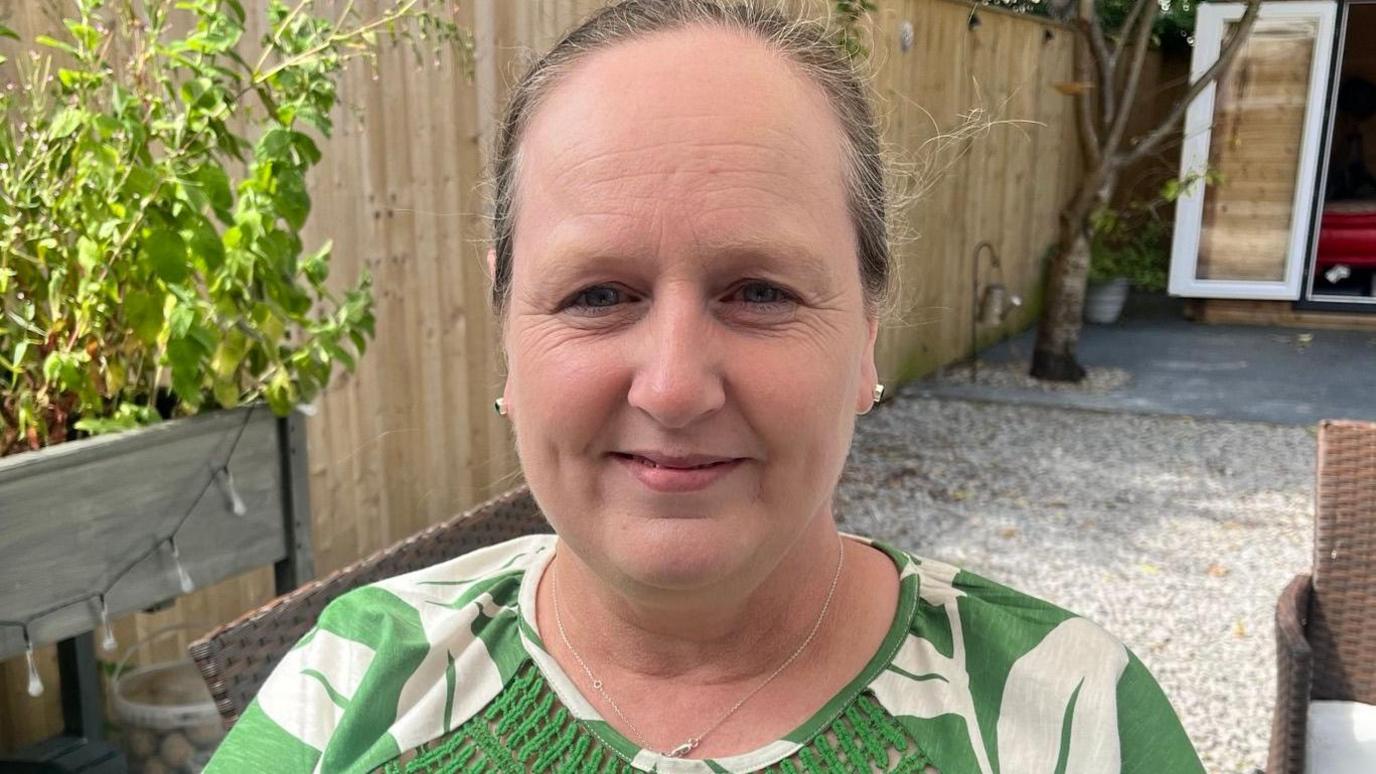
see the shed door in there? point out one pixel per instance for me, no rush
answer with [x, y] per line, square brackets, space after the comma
[1258, 127]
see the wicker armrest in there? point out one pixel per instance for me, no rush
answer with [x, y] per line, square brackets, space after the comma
[235, 659]
[1295, 666]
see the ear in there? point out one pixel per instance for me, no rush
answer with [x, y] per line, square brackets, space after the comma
[501, 349]
[869, 372]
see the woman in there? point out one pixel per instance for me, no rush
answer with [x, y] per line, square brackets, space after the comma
[690, 258]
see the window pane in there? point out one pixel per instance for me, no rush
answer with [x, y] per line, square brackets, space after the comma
[1255, 143]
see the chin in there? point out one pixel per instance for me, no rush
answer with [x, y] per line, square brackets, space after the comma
[680, 554]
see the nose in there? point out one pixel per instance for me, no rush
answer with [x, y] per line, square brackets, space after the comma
[678, 379]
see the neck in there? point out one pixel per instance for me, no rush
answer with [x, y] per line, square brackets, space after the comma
[734, 631]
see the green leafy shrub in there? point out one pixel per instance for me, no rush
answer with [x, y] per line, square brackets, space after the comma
[152, 197]
[1135, 242]
[1137, 250]
[1173, 29]
[848, 14]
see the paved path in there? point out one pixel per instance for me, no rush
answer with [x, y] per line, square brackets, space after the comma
[1280, 375]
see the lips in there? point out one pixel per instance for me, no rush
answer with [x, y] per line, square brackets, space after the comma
[676, 473]
[675, 462]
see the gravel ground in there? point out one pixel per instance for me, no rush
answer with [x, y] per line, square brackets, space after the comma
[1014, 374]
[1175, 534]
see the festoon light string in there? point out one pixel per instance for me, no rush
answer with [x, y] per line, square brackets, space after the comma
[224, 480]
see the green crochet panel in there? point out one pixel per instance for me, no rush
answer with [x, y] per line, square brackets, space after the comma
[527, 730]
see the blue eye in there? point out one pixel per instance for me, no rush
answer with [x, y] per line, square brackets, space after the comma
[762, 293]
[601, 299]
[595, 299]
[601, 295]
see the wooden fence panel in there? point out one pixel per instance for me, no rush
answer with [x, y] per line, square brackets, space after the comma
[1004, 184]
[411, 438]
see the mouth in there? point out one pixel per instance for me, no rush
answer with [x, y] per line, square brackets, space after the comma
[665, 463]
[677, 474]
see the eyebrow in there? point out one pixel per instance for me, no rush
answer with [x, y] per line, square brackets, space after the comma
[782, 257]
[785, 256]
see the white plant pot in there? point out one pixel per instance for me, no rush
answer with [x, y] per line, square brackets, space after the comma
[1104, 301]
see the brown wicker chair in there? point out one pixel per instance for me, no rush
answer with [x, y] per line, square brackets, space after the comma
[236, 658]
[1326, 623]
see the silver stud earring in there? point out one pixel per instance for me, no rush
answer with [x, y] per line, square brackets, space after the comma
[499, 406]
[878, 392]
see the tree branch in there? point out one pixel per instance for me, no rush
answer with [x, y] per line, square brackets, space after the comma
[1089, 134]
[1225, 59]
[1116, 55]
[1141, 40]
[1088, 21]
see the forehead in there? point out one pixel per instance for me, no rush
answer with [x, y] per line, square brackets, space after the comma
[699, 135]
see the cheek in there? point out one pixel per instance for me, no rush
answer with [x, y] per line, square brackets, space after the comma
[565, 387]
[794, 392]
[799, 399]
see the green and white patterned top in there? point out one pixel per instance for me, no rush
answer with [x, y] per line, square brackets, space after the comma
[442, 670]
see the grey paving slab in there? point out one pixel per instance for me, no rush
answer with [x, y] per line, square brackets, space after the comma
[1289, 376]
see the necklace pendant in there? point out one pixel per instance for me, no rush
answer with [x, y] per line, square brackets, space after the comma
[683, 749]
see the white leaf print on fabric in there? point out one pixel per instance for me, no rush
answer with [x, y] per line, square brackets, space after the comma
[1076, 655]
[299, 702]
[937, 581]
[934, 685]
[431, 591]
[425, 692]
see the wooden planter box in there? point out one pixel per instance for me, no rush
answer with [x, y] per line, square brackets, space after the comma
[78, 515]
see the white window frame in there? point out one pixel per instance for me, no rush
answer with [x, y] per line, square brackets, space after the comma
[1194, 156]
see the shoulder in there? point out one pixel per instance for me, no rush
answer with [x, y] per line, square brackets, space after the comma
[990, 673]
[480, 577]
[391, 665]
[987, 608]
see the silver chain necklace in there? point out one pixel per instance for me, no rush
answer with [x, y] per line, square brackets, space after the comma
[694, 741]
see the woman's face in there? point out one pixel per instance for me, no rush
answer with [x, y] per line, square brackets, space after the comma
[685, 291]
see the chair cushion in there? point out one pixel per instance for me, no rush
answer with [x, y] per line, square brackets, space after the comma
[1347, 241]
[1342, 738]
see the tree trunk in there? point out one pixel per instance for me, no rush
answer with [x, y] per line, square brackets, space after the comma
[1103, 115]
[1058, 331]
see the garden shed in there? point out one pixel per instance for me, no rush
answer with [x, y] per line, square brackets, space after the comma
[1290, 233]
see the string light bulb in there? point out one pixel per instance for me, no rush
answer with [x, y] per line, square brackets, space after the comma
[182, 576]
[225, 479]
[35, 682]
[107, 640]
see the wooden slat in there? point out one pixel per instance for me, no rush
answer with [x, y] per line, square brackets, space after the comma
[1008, 191]
[1229, 311]
[76, 516]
